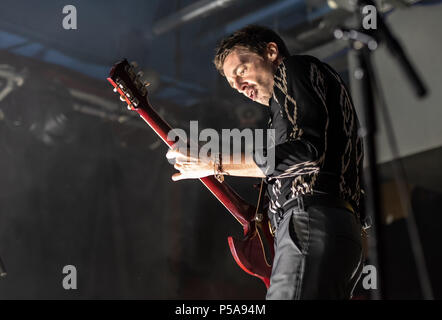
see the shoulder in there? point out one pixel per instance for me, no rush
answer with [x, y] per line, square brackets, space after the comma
[297, 70]
[299, 61]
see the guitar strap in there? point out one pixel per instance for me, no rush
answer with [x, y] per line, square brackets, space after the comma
[260, 206]
[260, 203]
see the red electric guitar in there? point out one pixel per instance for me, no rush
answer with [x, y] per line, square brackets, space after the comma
[254, 253]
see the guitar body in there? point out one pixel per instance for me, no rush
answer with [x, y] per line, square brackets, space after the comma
[254, 252]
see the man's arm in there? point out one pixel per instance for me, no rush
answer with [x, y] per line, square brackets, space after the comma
[194, 168]
[247, 167]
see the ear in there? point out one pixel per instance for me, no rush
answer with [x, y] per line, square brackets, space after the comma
[272, 51]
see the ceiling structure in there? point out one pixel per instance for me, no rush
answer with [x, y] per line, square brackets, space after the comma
[173, 41]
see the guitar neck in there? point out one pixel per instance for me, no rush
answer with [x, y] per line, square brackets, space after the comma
[242, 211]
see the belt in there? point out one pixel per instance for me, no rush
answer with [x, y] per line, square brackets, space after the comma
[323, 200]
[307, 201]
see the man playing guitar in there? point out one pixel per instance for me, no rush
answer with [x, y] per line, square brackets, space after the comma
[314, 184]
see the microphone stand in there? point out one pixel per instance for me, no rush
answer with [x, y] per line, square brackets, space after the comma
[2, 269]
[364, 43]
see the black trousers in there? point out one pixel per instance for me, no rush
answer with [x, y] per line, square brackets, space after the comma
[318, 254]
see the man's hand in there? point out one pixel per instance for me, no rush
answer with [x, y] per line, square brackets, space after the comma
[189, 166]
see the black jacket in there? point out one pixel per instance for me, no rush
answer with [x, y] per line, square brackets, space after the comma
[317, 148]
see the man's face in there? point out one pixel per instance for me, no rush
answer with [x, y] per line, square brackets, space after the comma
[250, 74]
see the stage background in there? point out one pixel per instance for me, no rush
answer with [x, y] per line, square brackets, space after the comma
[85, 182]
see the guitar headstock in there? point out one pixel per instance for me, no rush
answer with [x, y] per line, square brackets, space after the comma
[129, 84]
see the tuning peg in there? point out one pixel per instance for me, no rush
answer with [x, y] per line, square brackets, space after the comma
[140, 74]
[115, 90]
[134, 64]
[146, 84]
[122, 98]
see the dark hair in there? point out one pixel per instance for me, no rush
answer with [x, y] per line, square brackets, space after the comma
[253, 38]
